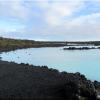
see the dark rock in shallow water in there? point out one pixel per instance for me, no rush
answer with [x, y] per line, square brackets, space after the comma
[79, 48]
[23, 81]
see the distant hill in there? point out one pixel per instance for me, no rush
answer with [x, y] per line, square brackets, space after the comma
[7, 44]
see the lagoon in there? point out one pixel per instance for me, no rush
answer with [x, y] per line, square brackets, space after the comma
[86, 62]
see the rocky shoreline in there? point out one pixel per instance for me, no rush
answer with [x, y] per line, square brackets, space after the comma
[24, 81]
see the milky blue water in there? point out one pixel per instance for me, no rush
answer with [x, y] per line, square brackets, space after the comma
[86, 62]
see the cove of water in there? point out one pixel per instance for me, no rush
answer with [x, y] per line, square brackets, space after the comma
[86, 62]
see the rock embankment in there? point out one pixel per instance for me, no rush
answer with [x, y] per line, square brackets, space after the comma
[23, 81]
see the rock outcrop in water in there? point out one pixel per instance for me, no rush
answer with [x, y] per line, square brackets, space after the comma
[80, 48]
[23, 81]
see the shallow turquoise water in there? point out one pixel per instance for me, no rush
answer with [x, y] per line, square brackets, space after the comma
[86, 61]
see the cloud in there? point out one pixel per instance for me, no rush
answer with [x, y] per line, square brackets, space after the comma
[48, 18]
[84, 27]
[15, 9]
[58, 10]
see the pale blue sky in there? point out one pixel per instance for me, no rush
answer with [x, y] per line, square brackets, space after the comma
[50, 19]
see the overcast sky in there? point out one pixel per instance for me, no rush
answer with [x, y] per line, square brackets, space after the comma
[50, 19]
